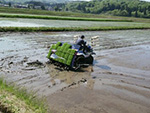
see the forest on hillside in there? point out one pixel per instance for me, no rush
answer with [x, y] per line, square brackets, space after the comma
[43, 1]
[130, 8]
[127, 8]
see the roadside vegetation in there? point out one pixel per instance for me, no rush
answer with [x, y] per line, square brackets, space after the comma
[15, 100]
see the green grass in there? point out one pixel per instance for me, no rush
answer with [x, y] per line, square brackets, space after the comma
[46, 29]
[8, 100]
[61, 18]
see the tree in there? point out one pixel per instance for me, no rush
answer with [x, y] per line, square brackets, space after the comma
[56, 8]
[148, 8]
[66, 9]
[145, 11]
[79, 7]
[129, 11]
[124, 13]
[43, 7]
[88, 10]
[9, 4]
[84, 9]
[136, 13]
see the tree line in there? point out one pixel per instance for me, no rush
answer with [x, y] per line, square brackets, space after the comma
[130, 8]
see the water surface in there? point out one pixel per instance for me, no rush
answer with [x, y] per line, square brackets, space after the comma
[118, 79]
[19, 22]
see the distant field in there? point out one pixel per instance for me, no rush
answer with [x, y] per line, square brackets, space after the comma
[39, 20]
[45, 13]
[27, 22]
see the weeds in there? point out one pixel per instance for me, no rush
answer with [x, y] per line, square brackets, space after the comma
[46, 29]
[17, 100]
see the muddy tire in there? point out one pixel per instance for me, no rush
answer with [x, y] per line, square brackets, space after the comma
[77, 63]
[89, 60]
[77, 66]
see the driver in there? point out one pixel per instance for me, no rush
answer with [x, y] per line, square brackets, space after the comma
[81, 42]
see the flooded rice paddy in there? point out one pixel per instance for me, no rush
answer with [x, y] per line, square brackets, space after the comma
[119, 80]
[19, 22]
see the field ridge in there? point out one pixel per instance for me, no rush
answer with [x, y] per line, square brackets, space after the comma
[47, 29]
[14, 100]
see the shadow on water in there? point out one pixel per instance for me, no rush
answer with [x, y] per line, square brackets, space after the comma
[103, 67]
[95, 62]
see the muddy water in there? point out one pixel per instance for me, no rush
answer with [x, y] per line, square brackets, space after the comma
[118, 81]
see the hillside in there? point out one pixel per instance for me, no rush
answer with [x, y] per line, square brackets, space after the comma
[127, 8]
[130, 8]
[44, 1]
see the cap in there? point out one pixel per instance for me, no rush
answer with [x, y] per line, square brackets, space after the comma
[82, 36]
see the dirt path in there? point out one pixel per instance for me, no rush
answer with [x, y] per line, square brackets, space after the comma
[118, 82]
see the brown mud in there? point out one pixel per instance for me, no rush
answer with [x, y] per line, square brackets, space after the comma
[118, 82]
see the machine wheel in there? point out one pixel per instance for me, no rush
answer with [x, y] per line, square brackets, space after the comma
[77, 63]
[89, 60]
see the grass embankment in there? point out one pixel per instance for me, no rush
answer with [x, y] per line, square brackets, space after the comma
[14, 100]
[45, 12]
[61, 18]
[47, 29]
